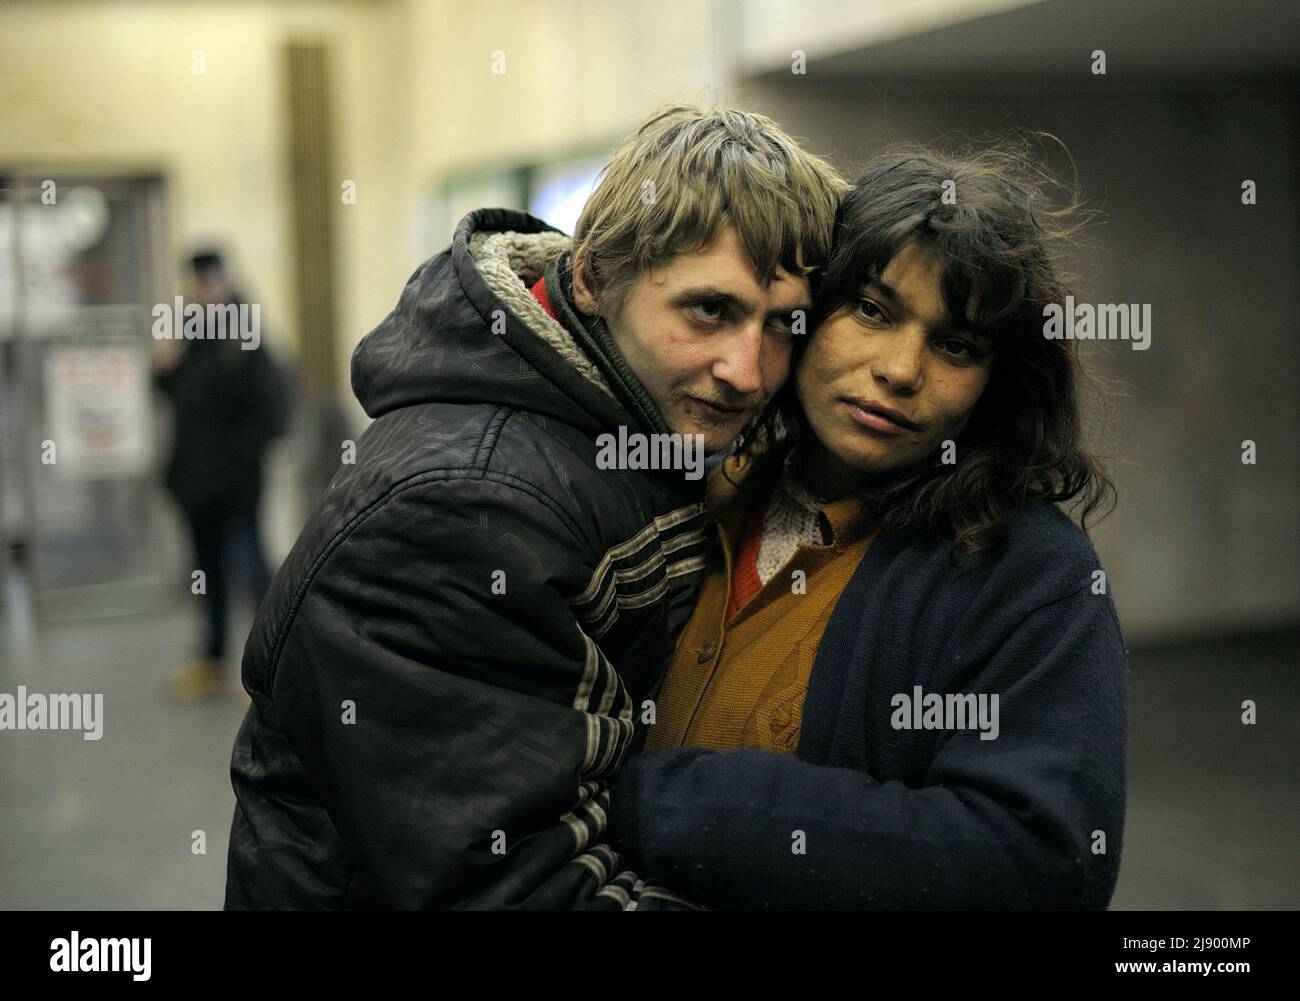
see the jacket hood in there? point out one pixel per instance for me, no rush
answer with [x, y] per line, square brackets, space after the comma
[468, 330]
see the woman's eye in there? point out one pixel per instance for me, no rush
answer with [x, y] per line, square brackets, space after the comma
[870, 310]
[958, 349]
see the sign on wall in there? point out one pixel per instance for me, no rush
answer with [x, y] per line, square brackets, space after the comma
[97, 411]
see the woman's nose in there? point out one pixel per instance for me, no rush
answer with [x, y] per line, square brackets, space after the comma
[900, 361]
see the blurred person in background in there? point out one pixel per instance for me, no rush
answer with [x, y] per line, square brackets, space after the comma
[228, 403]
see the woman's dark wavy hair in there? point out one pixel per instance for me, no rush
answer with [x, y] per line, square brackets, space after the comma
[1001, 243]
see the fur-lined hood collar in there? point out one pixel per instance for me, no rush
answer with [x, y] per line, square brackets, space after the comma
[467, 330]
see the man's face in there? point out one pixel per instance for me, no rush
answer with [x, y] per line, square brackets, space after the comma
[209, 286]
[897, 349]
[707, 340]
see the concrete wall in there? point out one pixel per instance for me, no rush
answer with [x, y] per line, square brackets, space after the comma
[113, 84]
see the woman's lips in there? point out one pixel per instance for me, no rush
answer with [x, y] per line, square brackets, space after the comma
[874, 421]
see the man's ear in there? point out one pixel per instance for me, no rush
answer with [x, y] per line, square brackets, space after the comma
[582, 294]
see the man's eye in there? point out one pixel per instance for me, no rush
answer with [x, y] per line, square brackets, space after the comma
[710, 312]
[785, 324]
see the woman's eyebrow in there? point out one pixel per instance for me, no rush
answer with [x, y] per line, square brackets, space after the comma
[952, 325]
[889, 291]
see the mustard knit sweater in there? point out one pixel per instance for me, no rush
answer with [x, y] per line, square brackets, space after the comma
[741, 682]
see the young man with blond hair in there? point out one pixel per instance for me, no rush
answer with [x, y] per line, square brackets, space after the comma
[450, 665]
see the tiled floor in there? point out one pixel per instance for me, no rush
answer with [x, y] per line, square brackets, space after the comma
[1213, 804]
[108, 824]
[1212, 814]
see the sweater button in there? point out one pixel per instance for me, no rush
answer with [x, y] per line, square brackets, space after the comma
[707, 651]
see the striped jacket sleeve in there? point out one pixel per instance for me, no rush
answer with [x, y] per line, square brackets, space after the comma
[460, 725]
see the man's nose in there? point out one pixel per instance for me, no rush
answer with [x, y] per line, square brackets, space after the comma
[741, 363]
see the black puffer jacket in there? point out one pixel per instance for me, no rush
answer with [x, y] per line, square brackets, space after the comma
[449, 666]
[227, 403]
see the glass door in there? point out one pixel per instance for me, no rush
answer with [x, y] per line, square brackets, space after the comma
[80, 267]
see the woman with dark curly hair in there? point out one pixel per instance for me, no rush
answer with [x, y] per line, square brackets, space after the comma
[903, 686]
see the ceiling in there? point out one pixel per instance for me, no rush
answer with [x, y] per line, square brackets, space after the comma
[1143, 40]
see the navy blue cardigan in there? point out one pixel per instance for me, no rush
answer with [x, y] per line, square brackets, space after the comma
[917, 818]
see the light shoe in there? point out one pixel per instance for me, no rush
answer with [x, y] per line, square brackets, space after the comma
[199, 680]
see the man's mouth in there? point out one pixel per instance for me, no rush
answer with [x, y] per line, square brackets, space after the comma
[715, 413]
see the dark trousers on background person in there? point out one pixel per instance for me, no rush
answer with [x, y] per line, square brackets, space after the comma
[226, 539]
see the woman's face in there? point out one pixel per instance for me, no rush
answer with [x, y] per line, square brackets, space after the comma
[887, 379]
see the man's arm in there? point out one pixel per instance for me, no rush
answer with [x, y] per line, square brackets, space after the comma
[1002, 823]
[458, 724]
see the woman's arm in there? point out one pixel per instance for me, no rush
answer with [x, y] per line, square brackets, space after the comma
[1010, 822]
